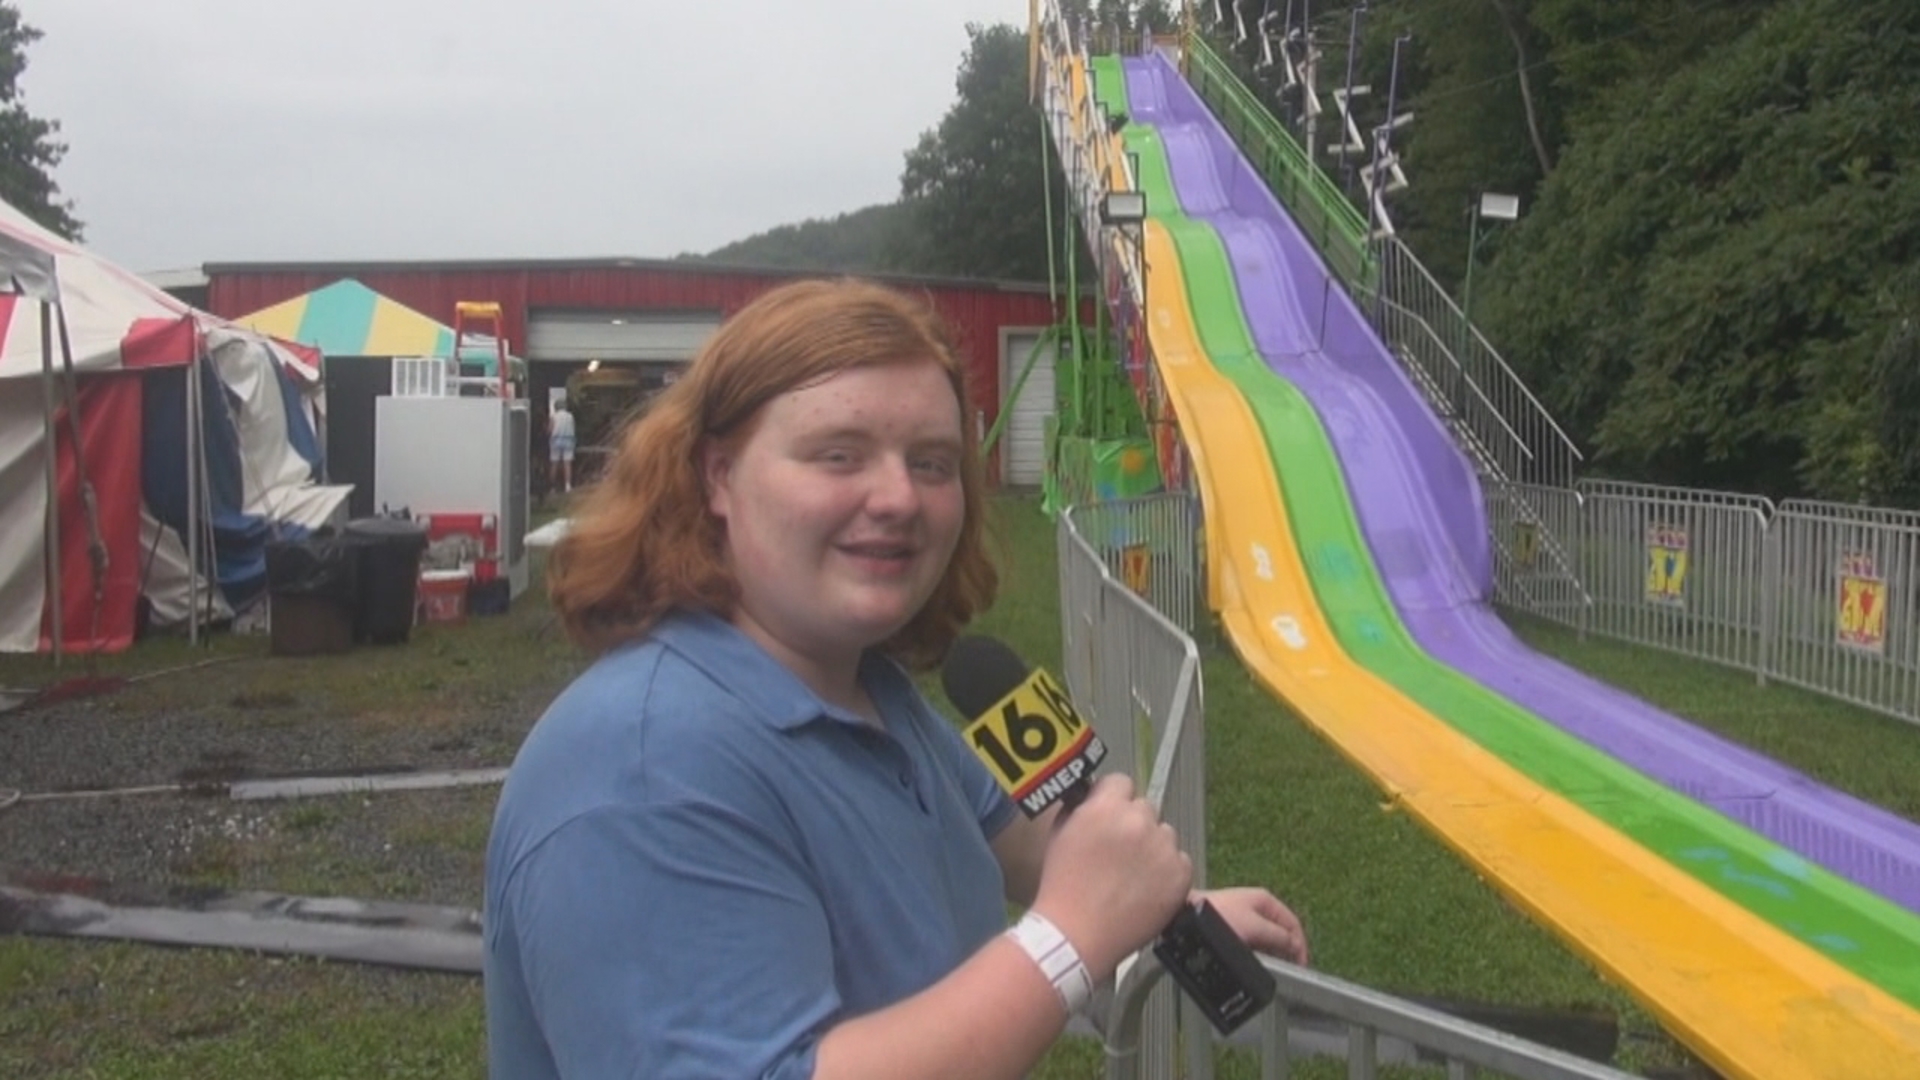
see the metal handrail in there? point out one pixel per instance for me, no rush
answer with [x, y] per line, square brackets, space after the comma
[1472, 383]
[1492, 354]
[1369, 1014]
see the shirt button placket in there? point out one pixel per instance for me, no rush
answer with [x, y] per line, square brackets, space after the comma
[907, 779]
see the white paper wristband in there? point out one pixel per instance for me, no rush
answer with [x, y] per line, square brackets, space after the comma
[1057, 959]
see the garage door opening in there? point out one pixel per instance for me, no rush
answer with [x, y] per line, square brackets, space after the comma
[610, 363]
[1023, 439]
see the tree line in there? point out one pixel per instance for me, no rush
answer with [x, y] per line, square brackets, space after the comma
[1715, 278]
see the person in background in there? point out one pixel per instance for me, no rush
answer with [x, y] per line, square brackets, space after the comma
[742, 843]
[560, 446]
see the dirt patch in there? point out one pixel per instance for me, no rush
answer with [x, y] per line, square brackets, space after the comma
[451, 698]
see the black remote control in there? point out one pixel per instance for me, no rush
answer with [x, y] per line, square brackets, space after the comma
[1218, 971]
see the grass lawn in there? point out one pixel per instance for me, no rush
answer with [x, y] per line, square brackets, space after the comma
[1386, 904]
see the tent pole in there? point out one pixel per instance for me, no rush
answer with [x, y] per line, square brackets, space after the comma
[55, 590]
[206, 488]
[193, 503]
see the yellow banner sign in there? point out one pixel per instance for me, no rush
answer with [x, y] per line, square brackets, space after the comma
[1526, 543]
[1667, 565]
[1861, 622]
[1136, 567]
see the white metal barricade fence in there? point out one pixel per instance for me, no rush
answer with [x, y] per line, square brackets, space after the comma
[1819, 595]
[1369, 1029]
[1535, 566]
[1675, 567]
[1137, 674]
[1147, 544]
[1840, 603]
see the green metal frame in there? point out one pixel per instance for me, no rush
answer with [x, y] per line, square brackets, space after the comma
[1336, 227]
[1098, 425]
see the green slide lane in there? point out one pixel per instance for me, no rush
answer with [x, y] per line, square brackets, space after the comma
[1109, 82]
[1857, 929]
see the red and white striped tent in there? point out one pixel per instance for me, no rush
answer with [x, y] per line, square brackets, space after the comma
[88, 351]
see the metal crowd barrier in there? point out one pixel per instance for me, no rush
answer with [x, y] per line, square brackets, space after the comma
[1818, 595]
[1147, 544]
[1680, 569]
[1535, 568]
[1367, 1028]
[1840, 603]
[1137, 674]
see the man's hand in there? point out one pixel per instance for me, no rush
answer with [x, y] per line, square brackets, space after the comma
[1114, 875]
[1261, 920]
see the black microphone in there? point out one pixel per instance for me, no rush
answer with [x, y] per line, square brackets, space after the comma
[1024, 727]
[1021, 724]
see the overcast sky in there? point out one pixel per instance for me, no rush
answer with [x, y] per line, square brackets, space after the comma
[230, 130]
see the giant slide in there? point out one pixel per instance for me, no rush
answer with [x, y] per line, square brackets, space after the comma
[1768, 921]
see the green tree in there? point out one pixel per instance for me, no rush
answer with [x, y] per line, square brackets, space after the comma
[1717, 275]
[1702, 285]
[1593, 48]
[1495, 88]
[1482, 121]
[1863, 440]
[29, 147]
[1156, 16]
[976, 188]
[1895, 397]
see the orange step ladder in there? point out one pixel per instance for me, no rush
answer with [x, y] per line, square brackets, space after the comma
[487, 313]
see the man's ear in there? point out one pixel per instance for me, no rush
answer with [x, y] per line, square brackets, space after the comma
[716, 466]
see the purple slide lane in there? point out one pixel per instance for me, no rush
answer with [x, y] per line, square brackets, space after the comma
[1410, 486]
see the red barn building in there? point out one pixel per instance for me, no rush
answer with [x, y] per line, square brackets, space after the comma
[562, 315]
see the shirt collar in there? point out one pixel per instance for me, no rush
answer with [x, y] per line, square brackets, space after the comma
[747, 671]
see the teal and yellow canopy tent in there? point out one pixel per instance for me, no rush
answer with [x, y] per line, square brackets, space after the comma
[348, 319]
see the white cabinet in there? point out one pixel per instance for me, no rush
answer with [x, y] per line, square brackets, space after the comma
[458, 455]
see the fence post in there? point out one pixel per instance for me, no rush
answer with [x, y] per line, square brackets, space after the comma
[1772, 581]
[1578, 556]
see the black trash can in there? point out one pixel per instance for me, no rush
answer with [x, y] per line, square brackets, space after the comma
[313, 591]
[389, 550]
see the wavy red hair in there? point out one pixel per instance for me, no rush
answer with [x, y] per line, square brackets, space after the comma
[642, 540]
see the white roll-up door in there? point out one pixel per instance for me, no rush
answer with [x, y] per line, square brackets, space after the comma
[613, 335]
[1023, 441]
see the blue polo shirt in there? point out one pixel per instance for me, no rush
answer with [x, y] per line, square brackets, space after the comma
[697, 867]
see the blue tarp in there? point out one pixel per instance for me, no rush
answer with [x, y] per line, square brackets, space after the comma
[300, 433]
[239, 539]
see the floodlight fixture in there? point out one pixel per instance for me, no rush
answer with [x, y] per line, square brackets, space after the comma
[1499, 207]
[1124, 208]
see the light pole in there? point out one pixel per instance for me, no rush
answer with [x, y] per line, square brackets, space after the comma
[1493, 207]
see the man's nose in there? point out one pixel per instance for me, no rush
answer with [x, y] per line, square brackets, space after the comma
[893, 490]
